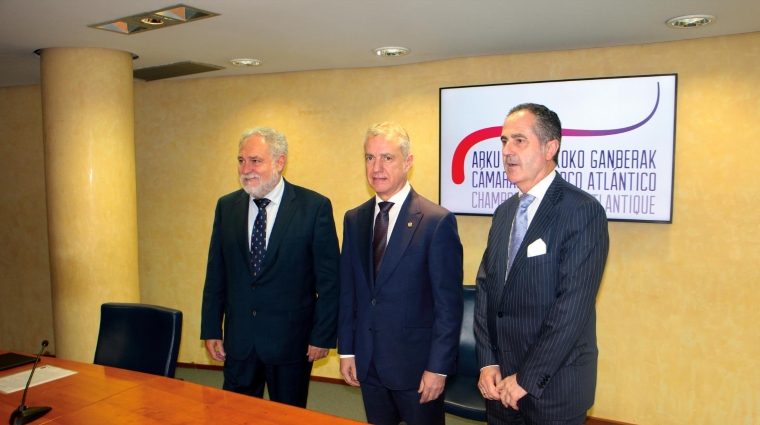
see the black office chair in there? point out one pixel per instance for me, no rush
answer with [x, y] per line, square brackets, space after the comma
[462, 396]
[139, 337]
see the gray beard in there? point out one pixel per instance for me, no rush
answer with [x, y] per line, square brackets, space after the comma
[263, 188]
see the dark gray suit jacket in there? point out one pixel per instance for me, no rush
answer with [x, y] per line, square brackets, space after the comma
[541, 323]
[277, 312]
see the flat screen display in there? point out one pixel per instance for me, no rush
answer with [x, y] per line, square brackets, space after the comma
[618, 143]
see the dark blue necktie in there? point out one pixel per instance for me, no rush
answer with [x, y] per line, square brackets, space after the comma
[259, 236]
[380, 239]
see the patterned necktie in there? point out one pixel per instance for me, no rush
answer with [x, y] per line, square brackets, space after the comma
[519, 228]
[380, 239]
[259, 236]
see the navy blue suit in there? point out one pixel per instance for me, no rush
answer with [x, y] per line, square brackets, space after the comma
[276, 314]
[541, 323]
[407, 320]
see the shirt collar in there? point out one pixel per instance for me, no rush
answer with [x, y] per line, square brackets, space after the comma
[539, 190]
[399, 197]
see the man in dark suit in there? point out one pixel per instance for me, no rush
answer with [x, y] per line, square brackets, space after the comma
[401, 290]
[535, 320]
[272, 276]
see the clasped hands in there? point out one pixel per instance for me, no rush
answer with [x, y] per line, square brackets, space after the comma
[492, 387]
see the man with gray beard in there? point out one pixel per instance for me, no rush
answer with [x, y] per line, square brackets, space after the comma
[272, 277]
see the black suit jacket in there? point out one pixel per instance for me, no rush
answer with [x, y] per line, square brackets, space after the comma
[293, 301]
[541, 323]
[408, 319]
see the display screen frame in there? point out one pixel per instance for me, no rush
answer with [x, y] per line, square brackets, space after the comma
[630, 120]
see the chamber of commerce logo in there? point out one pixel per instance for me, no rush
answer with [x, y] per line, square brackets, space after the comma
[472, 139]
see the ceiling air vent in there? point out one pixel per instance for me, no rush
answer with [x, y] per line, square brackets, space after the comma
[173, 70]
[157, 19]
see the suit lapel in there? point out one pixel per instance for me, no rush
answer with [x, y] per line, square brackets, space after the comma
[288, 206]
[400, 237]
[365, 222]
[504, 229]
[240, 221]
[545, 214]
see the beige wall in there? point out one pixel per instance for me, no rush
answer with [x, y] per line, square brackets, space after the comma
[26, 309]
[676, 317]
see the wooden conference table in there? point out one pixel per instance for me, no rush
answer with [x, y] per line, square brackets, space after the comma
[106, 395]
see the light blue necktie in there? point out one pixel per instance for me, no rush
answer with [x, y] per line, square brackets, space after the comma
[519, 228]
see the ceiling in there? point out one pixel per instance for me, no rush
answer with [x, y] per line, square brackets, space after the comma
[298, 35]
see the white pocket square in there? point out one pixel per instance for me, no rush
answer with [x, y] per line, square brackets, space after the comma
[538, 247]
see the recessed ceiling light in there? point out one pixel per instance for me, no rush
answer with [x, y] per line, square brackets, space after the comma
[152, 21]
[245, 62]
[156, 19]
[690, 21]
[391, 51]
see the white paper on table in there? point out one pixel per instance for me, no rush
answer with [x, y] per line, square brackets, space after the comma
[17, 382]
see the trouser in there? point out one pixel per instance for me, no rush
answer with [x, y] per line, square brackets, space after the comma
[288, 384]
[389, 407]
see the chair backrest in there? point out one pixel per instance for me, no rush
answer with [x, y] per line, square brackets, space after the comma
[467, 363]
[462, 397]
[139, 337]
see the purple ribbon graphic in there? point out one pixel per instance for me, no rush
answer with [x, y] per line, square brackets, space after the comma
[592, 133]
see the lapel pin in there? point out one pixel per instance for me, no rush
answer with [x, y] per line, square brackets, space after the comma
[409, 224]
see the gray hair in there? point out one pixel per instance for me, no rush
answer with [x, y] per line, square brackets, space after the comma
[278, 144]
[391, 131]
